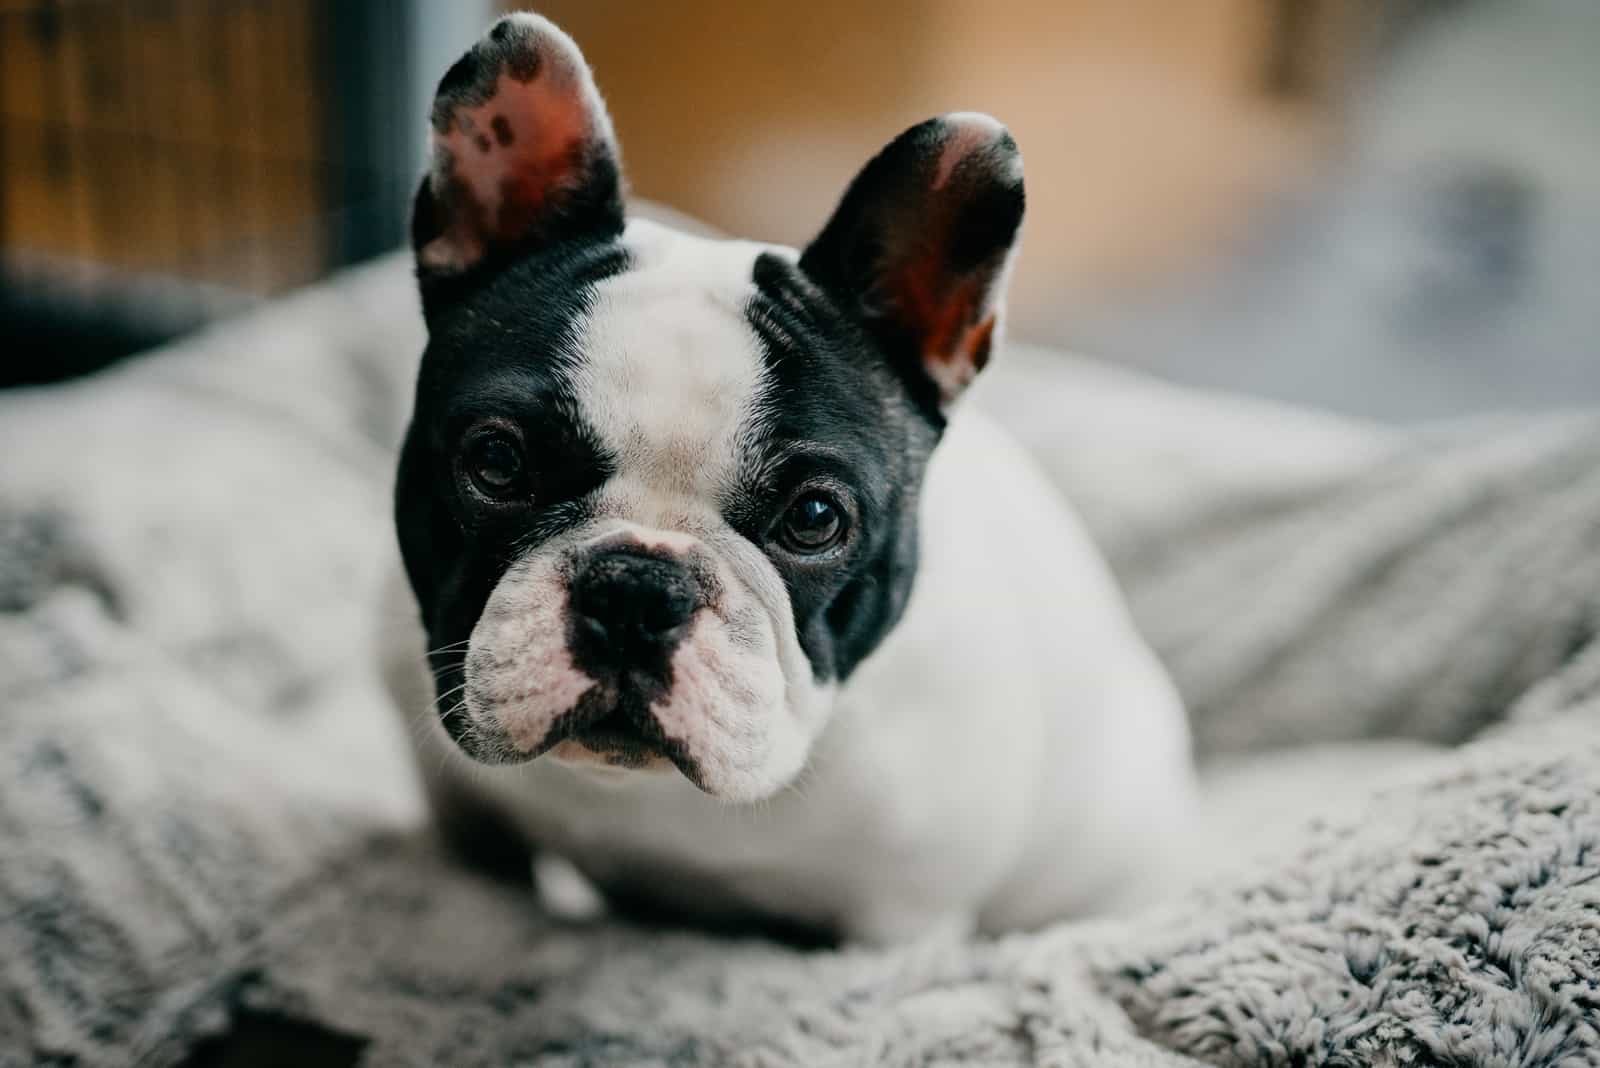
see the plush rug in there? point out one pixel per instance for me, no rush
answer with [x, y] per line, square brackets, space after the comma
[208, 825]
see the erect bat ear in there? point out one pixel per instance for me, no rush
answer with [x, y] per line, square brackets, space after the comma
[921, 245]
[523, 153]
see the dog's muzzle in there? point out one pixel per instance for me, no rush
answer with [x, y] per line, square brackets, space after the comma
[629, 609]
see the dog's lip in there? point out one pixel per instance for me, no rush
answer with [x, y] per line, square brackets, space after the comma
[601, 724]
[619, 740]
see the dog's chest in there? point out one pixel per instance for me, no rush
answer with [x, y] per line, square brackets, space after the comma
[868, 823]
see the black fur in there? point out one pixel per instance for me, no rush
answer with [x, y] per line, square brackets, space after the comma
[495, 353]
[838, 409]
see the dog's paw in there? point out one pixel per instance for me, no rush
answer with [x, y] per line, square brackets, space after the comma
[564, 892]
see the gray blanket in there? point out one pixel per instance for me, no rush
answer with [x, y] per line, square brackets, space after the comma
[207, 816]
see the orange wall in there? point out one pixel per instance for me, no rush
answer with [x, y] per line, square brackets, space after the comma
[1145, 124]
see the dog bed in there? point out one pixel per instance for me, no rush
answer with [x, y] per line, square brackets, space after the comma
[209, 826]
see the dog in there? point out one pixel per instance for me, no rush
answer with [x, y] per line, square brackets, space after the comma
[723, 594]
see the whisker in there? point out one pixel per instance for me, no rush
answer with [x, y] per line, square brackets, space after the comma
[419, 721]
[440, 673]
[471, 730]
[451, 692]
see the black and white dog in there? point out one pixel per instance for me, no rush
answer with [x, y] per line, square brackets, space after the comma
[723, 600]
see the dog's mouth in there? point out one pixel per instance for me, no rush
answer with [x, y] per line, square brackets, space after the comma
[618, 741]
[612, 726]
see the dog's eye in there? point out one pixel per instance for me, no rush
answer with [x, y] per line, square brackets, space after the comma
[813, 523]
[494, 463]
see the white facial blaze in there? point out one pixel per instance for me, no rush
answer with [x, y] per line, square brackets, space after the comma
[670, 375]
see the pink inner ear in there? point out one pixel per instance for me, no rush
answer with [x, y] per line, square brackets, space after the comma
[957, 348]
[499, 163]
[952, 315]
[949, 313]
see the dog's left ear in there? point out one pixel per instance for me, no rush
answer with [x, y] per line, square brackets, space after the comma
[921, 244]
[523, 154]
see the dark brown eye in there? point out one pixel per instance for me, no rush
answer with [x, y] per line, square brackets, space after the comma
[813, 523]
[494, 463]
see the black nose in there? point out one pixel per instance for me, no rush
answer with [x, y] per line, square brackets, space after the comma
[627, 602]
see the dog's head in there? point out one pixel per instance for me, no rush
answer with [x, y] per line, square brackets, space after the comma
[659, 494]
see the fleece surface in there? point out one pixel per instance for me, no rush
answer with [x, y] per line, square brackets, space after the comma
[206, 813]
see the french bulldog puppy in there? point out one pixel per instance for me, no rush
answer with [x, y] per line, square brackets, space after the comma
[727, 599]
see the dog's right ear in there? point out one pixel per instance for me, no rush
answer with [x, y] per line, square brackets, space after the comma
[523, 155]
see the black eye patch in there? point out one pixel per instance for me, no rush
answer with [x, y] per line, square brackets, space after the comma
[772, 481]
[561, 458]
[835, 417]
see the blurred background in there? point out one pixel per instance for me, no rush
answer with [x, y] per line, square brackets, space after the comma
[1386, 207]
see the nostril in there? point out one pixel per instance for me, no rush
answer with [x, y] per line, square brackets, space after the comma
[667, 609]
[593, 628]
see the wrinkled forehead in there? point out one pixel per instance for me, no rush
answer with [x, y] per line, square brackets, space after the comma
[671, 377]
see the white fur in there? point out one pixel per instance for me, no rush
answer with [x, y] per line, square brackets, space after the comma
[1011, 753]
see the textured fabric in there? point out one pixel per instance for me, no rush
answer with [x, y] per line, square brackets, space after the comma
[1309, 579]
[206, 811]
